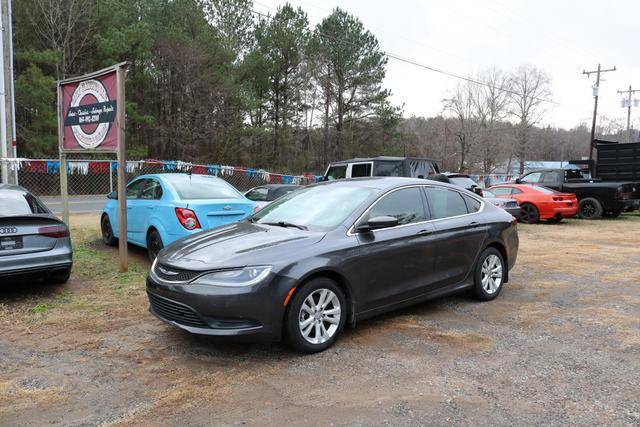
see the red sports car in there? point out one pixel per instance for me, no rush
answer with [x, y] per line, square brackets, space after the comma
[537, 202]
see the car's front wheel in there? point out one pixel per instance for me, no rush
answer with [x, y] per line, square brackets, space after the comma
[316, 315]
[490, 273]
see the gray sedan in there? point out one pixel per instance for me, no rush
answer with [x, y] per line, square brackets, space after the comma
[32, 239]
[509, 205]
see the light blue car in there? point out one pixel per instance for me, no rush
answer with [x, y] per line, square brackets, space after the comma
[162, 208]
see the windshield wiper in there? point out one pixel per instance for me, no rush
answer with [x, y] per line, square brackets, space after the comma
[286, 224]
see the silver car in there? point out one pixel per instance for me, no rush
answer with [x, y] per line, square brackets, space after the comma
[32, 239]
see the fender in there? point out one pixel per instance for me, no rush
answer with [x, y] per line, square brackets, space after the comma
[154, 222]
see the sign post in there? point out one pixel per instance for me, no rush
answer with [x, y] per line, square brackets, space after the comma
[91, 119]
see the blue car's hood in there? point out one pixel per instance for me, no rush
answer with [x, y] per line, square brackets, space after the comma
[236, 245]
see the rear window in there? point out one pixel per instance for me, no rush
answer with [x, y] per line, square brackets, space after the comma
[461, 181]
[544, 189]
[336, 172]
[360, 169]
[13, 203]
[196, 188]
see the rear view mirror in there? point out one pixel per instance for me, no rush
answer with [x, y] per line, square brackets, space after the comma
[113, 195]
[518, 181]
[377, 223]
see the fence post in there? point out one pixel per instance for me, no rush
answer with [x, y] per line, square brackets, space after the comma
[110, 177]
[64, 193]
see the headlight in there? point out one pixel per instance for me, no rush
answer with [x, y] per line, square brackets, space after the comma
[238, 277]
[501, 204]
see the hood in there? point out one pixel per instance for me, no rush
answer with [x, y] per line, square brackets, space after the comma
[236, 245]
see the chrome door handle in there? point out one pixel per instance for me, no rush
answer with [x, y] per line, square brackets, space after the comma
[424, 232]
[473, 224]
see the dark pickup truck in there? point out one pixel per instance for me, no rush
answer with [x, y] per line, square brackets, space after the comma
[596, 198]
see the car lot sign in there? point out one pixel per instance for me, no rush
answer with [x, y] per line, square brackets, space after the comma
[91, 119]
[89, 113]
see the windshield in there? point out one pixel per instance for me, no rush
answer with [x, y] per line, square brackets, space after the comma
[319, 208]
[196, 187]
[462, 181]
[13, 203]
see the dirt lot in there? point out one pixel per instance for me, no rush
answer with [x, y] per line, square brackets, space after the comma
[561, 345]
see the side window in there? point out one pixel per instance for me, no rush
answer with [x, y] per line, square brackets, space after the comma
[445, 203]
[133, 189]
[516, 191]
[258, 194]
[551, 178]
[473, 205]
[405, 204]
[532, 178]
[501, 191]
[337, 172]
[360, 169]
[152, 190]
[279, 192]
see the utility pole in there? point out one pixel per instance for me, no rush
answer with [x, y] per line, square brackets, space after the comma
[3, 96]
[629, 92]
[596, 90]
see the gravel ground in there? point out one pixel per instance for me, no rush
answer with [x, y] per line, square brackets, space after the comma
[560, 346]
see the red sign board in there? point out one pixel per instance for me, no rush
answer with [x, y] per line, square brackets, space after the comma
[89, 116]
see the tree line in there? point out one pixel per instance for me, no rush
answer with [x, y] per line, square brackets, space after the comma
[215, 81]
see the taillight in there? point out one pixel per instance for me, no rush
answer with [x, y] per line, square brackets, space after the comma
[187, 218]
[55, 231]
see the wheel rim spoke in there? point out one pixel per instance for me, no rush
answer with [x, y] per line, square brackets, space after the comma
[491, 274]
[319, 316]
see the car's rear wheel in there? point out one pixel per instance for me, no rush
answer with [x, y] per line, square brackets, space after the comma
[490, 273]
[154, 244]
[529, 213]
[107, 231]
[315, 316]
[590, 208]
[59, 277]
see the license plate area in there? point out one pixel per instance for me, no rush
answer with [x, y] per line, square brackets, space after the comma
[10, 243]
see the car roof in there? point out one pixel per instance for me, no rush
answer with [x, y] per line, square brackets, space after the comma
[380, 159]
[173, 176]
[13, 187]
[386, 182]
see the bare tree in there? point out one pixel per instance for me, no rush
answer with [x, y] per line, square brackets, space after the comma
[530, 87]
[491, 102]
[460, 102]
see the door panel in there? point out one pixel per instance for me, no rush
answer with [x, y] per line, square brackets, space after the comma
[396, 263]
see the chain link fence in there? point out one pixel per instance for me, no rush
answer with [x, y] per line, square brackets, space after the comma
[100, 177]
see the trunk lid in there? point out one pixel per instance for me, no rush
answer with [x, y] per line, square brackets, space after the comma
[215, 212]
[22, 234]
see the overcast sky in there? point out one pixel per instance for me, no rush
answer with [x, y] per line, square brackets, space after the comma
[561, 37]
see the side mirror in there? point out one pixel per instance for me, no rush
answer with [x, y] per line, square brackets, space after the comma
[518, 181]
[113, 195]
[377, 223]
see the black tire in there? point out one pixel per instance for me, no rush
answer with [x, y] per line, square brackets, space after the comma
[154, 244]
[615, 213]
[529, 213]
[590, 208]
[107, 231]
[295, 315]
[480, 290]
[59, 277]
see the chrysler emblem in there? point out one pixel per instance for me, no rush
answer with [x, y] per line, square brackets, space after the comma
[227, 208]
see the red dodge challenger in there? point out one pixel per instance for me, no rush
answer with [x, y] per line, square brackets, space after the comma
[537, 202]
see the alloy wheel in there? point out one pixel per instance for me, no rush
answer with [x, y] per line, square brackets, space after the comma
[491, 274]
[319, 316]
[527, 213]
[588, 210]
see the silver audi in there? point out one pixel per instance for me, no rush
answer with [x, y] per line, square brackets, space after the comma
[33, 241]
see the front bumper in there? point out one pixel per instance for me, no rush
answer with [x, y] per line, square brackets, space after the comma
[254, 311]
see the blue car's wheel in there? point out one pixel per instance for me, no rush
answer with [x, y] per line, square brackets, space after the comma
[107, 231]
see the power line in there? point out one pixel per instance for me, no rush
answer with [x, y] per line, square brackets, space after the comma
[439, 70]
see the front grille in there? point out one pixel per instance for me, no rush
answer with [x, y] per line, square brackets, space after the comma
[175, 274]
[175, 311]
[511, 204]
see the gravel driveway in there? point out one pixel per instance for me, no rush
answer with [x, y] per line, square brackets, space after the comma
[561, 345]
